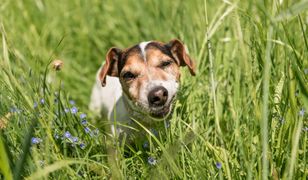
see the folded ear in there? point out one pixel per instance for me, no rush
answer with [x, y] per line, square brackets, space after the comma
[110, 67]
[178, 51]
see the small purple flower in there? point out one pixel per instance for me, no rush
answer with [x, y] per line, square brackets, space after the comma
[67, 134]
[84, 122]
[152, 161]
[218, 165]
[74, 110]
[35, 105]
[72, 102]
[35, 140]
[153, 131]
[145, 145]
[66, 110]
[83, 116]
[87, 129]
[42, 101]
[302, 112]
[75, 139]
[82, 146]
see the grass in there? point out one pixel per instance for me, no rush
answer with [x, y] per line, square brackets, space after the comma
[244, 115]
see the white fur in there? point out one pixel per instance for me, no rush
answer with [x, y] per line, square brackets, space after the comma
[171, 86]
[111, 102]
[108, 101]
[142, 46]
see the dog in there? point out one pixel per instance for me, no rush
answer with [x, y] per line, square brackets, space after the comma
[140, 84]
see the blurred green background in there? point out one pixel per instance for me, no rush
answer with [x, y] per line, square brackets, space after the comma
[244, 116]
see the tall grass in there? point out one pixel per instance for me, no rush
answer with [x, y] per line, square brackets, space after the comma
[244, 116]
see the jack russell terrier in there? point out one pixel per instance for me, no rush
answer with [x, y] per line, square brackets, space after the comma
[139, 83]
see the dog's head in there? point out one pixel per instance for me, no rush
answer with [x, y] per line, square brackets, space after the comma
[149, 74]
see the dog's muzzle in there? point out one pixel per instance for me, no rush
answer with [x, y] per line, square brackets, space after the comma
[158, 97]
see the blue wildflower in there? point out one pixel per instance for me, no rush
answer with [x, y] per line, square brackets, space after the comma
[74, 110]
[66, 110]
[152, 161]
[82, 145]
[84, 122]
[218, 165]
[67, 134]
[35, 140]
[87, 129]
[42, 101]
[145, 145]
[302, 112]
[83, 115]
[153, 131]
[72, 102]
[75, 139]
[35, 105]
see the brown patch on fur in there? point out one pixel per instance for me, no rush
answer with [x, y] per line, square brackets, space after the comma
[134, 64]
[155, 58]
[146, 68]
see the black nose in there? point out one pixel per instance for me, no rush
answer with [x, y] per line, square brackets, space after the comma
[158, 96]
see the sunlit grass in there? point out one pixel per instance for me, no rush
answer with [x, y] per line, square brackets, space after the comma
[243, 116]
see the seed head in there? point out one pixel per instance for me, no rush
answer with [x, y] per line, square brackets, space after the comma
[57, 64]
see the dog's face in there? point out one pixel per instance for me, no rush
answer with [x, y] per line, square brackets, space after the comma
[149, 74]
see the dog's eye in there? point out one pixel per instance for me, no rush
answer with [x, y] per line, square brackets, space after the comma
[128, 76]
[165, 64]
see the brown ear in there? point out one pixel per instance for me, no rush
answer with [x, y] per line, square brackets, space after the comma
[178, 51]
[110, 67]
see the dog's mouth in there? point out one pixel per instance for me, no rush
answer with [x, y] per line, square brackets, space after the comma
[162, 112]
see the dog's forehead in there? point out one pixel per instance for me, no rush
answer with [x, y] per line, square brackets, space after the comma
[142, 51]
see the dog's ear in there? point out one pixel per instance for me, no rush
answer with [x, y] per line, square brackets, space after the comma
[111, 65]
[178, 51]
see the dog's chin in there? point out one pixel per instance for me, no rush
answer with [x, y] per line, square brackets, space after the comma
[161, 114]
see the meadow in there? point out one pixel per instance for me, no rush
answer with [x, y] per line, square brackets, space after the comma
[243, 116]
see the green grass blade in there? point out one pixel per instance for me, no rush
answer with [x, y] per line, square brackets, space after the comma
[5, 161]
